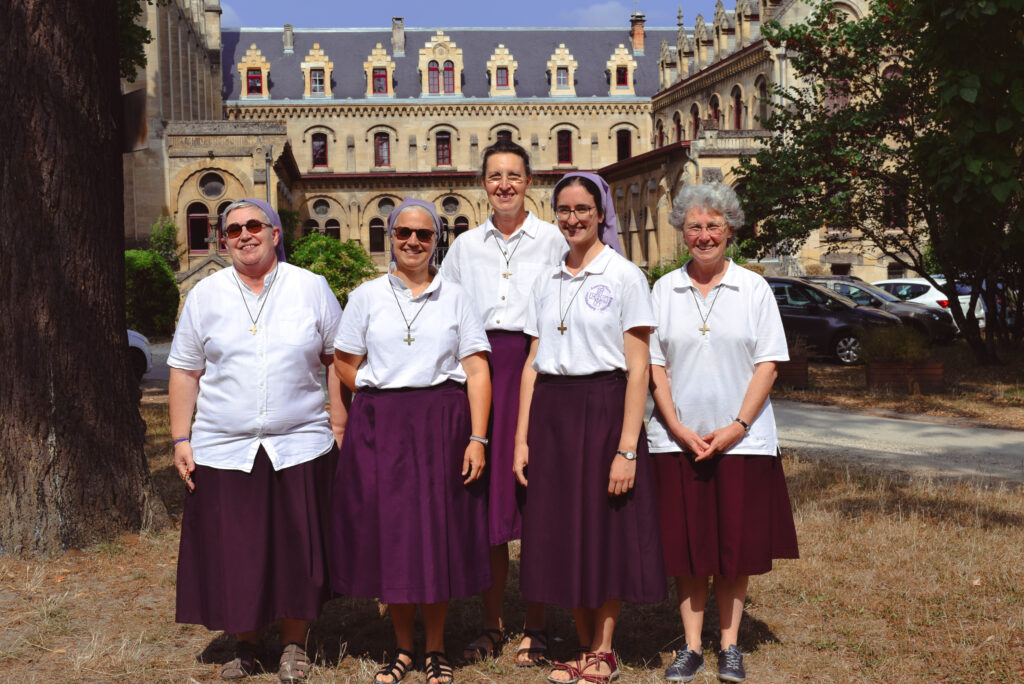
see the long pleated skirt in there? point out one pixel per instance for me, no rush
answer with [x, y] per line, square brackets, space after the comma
[580, 546]
[508, 355]
[729, 515]
[404, 527]
[254, 545]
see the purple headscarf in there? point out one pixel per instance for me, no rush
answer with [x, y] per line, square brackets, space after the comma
[607, 230]
[272, 217]
[419, 204]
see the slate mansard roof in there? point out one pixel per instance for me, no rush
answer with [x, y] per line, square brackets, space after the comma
[531, 48]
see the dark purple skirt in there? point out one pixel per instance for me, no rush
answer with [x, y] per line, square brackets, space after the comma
[508, 355]
[580, 546]
[254, 545]
[729, 515]
[404, 528]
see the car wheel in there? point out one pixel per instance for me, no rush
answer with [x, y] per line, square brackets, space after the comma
[846, 348]
[138, 361]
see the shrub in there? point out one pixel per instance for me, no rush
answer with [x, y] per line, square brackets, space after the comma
[344, 264]
[894, 343]
[151, 293]
[655, 272]
[164, 241]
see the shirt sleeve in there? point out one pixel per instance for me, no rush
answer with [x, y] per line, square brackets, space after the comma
[636, 301]
[472, 336]
[330, 315]
[530, 326]
[187, 351]
[657, 353]
[770, 339]
[351, 331]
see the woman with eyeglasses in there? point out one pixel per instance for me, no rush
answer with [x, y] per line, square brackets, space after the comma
[722, 495]
[590, 535]
[409, 520]
[259, 458]
[497, 264]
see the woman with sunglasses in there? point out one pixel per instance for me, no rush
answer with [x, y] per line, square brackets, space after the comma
[497, 263]
[260, 456]
[590, 529]
[409, 519]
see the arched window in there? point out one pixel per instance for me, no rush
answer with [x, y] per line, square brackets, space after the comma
[449, 77]
[319, 149]
[461, 225]
[661, 135]
[333, 229]
[623, 143]
[677, 122]
[504, 134]
[444, 148]
[432, 78]
[220, 228]
[565, 147]
[310, 226]
[762, 101]
[198, 227]
[381, 149]
[737, 109]
[716, 109]
[376, 235]
[694, 122]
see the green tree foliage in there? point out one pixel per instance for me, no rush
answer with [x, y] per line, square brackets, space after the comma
[152, 296]
[132, 38]
[344, 264]
[164, 241]
[898, 137]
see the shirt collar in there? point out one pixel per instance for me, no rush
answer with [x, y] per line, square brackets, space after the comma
[400, 285]
[681, 278]
[267, 279]
[529, 228]
[597, 265]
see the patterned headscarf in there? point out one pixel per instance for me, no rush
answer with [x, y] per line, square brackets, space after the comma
[419, 204]
[272, 217]
[607, 230]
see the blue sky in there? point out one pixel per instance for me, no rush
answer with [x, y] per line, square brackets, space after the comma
[321, 13]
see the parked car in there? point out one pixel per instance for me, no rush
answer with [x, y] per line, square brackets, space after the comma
[138, 354]
[831, 324]
[934, 324]
[919, 290]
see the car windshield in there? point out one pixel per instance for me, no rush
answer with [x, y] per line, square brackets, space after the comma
[877, 291]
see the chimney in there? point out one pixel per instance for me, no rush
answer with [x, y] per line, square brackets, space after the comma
[636, 32]
[288, 38]
[398, 36]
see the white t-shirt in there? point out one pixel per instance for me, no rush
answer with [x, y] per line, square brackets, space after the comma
[446, 330]
[709, 373]
[476, 261]
[608, 297]
[259, 389]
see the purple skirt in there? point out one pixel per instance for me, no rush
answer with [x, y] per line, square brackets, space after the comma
[582, 547]
[508, 355]
[254, 545]
[404, 528]
[729, 515]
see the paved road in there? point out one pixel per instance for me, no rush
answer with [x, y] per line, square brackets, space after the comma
[922, 445]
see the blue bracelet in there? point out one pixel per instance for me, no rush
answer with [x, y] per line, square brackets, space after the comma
[179, 441]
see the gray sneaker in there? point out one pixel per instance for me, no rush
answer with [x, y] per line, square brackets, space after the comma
[685, 667]
[730, 665]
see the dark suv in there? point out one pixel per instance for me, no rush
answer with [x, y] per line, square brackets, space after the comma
[831, 324]
[934, 324]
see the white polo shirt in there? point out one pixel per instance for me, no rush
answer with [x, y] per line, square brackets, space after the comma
[446, 330]
[709, 373]
[259, 389]
[476, 261]
[608, 297]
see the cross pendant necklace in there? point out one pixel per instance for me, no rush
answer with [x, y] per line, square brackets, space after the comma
[266, 296]
[508, 257]
[704, 329]
[561, 323]
[408, 339]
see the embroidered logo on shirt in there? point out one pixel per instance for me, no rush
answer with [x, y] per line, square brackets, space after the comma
[599, 297]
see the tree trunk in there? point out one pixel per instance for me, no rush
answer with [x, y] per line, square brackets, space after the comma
[72, 466]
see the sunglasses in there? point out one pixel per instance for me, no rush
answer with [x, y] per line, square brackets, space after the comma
[422, 234]
[252, 225]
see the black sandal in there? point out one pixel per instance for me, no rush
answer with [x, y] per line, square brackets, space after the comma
[538, 647]
[438, 668]
[475, 654]
[396, 669]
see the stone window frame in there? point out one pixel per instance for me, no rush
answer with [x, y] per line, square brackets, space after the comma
[316, 59]
[254, 59]
[500, 59]
[379, 59]
[440, 48]
[736, 115]
[621, 58]
[313, 140]
[561, 58]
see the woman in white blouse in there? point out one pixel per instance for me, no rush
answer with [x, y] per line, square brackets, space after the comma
[590, 536]
[260, 456]
[722, 495]
[409, 521]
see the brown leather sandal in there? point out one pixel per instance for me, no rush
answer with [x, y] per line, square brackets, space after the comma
[244, 664]
[294, 665]
[538, 647]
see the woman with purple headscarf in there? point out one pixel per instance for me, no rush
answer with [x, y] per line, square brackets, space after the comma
[259, 457]
[409, 519]
[580, 445]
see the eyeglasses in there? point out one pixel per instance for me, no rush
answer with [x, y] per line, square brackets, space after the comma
[510, 178]
[422, 234]
[695, 229]
[581, 213]
[252, 225]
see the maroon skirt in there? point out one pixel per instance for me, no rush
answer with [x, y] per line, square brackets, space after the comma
[729, 515]
[508, 355]
[582, 547]
[254, 545]
[404, 528]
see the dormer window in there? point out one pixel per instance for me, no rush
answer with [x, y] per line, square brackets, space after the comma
[379, 70]
[254, 82]
[316, 81]
[621, 68]
[621, 76]
[449, 77]
[433, 79]
[380, 81]
[502, 77]
[440, 66]
[563, 77]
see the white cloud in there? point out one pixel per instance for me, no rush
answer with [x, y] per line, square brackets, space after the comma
[600, 14]
[229, 17]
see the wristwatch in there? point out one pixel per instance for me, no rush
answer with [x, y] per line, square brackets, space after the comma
[628, 455]
[745, 424]
[482, 440]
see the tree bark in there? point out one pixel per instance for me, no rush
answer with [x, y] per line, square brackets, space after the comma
[72, 466]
